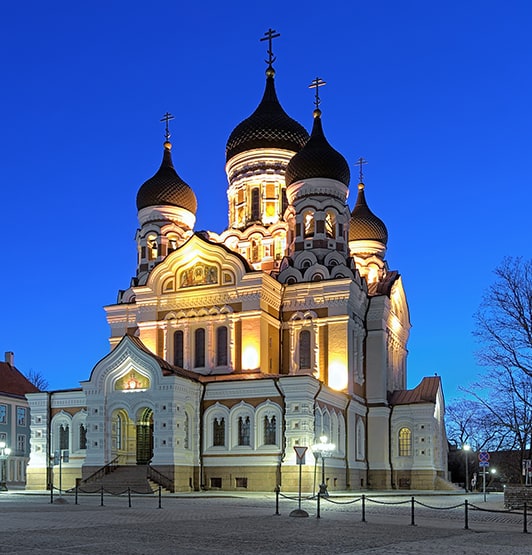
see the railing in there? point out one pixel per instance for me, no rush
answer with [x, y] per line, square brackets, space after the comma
[159, 478]
[101, 472]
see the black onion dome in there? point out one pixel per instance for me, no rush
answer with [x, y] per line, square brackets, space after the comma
[364, 225]
[166, 187]
[269, 126]
[317, 159]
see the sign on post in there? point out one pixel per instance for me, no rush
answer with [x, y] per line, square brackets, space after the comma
[483, 459]
[300, 453]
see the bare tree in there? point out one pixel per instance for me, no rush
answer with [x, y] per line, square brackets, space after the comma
[37, 379]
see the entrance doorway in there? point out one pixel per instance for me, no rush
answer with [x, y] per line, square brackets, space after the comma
[145, 436]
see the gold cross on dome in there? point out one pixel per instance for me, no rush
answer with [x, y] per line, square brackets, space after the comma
[166, 118]
[316, 84]
[269, 35]
[361, 162]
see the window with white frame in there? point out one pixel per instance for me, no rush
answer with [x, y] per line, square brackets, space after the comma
[218, 432]
[21, 443]
[199, 348]
[360, 440]
[221, 346]
[3, 414]
[270, 430]
[178, 348]
[21, 416]
[244, 430]
[186, 442]
[304, 350]
[405, 442]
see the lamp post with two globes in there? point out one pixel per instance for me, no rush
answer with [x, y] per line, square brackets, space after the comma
[323, 449]
[5, 451]
[466, 448]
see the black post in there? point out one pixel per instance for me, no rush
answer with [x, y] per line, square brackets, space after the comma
[76, 497]
[129, 496]
[363, 508]
[160, 496]
[466, 527]
[277, 488]
[101, 496]
[525, 524]
[52, 492]
[318, 515]
[412, 521]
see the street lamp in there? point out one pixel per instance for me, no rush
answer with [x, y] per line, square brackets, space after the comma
[4, 453]
[323, 449]
[466, 448]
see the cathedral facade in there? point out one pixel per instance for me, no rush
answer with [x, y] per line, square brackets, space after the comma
[228, 350]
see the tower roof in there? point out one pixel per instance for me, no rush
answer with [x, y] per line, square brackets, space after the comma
[166, 187]
[269, 126]
[364, 225]
[317, 159]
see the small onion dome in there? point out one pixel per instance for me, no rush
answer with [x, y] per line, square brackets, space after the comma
[317, 159]
[364, 225]
[166, 187]
[269, 126]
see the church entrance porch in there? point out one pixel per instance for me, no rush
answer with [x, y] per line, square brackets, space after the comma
[132, 439]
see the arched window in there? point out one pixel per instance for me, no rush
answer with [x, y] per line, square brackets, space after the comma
[405, 442]
[255, 204]
[221, 346]
[360, 440]
[152, 246]
[244, 430]
[270, 430]
[82, 436]
[64, 432]
[255, 250]
[178, 348]
[308, 223]
[187, 432]
[330, 224]
[218, 432]
[304, 350]
[199, 348]
[119, 431]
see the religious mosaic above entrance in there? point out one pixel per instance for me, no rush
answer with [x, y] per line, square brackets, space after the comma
[199, 274]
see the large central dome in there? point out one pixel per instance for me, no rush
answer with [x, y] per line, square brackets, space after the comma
[269, 126]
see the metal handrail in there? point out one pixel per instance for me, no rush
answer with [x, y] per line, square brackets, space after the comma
[107, 469]
[159, 478]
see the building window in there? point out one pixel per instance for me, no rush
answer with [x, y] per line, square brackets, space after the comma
[270, 430]
[330, 225]
[21, 443]
[199, 348]
[216, 482]
[63, 436]
[304, 350]
[241, 482]
[187, 432]
[3, 414]
[218, 432]
[221, 346]
[255, 255]
[21, 416]
[178, 348]
[255, 204]
[152, 246]
[244, 430]
[284, 201]
[308, 223]
[405, 442]
[82, 436]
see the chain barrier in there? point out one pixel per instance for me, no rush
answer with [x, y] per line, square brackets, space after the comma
[101, 491]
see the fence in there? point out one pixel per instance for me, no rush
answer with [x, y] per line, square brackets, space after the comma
[412, 502]
[101, 491]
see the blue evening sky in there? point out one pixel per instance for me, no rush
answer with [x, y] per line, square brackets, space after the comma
[435, 95]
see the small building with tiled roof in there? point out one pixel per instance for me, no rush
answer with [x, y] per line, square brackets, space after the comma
[14, 421]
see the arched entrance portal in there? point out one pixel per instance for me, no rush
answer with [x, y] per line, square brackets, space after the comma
[144, 436]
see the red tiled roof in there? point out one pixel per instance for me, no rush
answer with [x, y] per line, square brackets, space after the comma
[425, 392]
[13, 382]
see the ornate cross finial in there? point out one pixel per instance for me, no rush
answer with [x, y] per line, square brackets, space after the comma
[166, 118]
[269, 35]
[316, 84]
[361, 162]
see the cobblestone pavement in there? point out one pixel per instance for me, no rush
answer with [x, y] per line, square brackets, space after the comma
[245, 524]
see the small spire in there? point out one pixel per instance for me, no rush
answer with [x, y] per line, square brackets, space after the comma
[361, 162]
[166, 118]
[316, 84]
[269, 35]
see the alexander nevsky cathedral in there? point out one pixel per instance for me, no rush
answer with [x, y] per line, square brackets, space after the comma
[287, 329]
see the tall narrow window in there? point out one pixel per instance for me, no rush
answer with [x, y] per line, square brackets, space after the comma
[255, 250]
[244, 431]
[330, 224]
[308, 223]
[218, 432]
[304, 350]
[119, 432]
[405, 442]
[284, 201]
[270, 430]
[221, 346]
[199, 348]
[178, 348]
[187, 432]
[82, 436]
[255, 204]
[63, 436]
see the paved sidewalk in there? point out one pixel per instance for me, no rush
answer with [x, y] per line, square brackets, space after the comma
[244, 524]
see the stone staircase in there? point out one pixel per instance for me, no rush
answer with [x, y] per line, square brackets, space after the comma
[119, 480]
